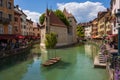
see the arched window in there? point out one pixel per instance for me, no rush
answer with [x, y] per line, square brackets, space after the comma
[9, 29]
[1, 29]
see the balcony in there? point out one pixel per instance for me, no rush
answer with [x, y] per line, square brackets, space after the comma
[4, 20]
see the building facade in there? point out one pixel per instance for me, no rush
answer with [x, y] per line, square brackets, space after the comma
[53, 24]
[94, 30]
[6, 16]
[101, 24]
[87, 29]
[17, 20]
[115, 5]
[36, 30]
[23, 24]
[72, 37]
[29, 27]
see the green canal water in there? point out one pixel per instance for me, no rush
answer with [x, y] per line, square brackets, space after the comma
[76, 64]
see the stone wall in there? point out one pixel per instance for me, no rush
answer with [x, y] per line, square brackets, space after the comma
[43, 32]
[61, 35]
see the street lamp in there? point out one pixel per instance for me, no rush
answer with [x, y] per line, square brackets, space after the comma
[118, 27]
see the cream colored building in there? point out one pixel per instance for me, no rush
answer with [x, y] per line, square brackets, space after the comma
[115, 5]
[23, 23]
[29, 27]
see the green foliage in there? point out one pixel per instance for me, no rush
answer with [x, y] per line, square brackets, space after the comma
[80, 31]
[42, 18]
[62, 17]
[59, 14]
[51, 40]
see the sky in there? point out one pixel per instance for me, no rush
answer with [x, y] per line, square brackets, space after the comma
[83, 10]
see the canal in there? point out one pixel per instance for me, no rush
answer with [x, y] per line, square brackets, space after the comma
[76, 64]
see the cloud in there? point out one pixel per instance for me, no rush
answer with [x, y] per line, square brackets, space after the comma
[33, 15]
[83, 12]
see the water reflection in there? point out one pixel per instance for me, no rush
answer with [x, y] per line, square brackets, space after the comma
[91, 50]
[44, 55]
[75, 65]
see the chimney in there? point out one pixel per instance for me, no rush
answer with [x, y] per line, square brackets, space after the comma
[17, 6]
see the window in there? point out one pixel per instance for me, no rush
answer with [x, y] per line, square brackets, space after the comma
[46, 28]
[9, 29]
[1, 1]
[9, 5]
[38, 35]
[16, 29]
[1, 15]
[16, 19]
[10, 17]
[24, 27]
[1, 29]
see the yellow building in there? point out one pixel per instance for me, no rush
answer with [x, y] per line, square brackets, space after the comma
[108, 23]
[6, 16]
[94, 28]
[101, 24]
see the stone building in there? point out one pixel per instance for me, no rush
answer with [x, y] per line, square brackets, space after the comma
[53, 24]
[72, 37]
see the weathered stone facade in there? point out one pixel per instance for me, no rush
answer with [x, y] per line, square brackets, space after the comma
[53, 24]
[61, 35]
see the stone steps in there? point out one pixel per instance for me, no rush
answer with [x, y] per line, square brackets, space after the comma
[101, 58]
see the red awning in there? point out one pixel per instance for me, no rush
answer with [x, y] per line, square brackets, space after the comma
[20, 36]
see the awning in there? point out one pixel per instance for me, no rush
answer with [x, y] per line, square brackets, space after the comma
[11, 36]
[20, 36]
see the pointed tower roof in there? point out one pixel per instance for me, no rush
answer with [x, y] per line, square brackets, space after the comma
[47, 12]
[67, 14]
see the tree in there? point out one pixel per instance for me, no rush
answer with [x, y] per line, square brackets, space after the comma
[80, 31]
[51, 40]
[42, 18]
[59, 14]
[62, 17]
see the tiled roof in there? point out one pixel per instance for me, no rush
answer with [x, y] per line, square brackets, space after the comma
[54, 20]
